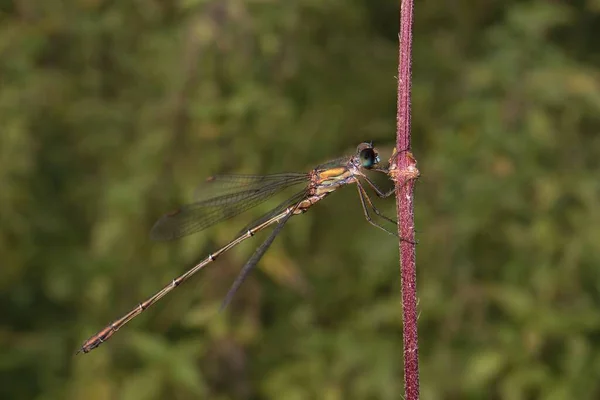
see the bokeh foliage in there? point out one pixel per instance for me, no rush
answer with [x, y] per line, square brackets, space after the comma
[114, 111]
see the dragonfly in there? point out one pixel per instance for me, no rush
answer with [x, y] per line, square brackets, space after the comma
[225, 196]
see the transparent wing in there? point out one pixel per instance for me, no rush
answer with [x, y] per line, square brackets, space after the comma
[249, 266]
[222, 186]
[291, 202]
[224, 197]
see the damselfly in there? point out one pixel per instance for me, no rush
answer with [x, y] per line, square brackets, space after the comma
[226, 196]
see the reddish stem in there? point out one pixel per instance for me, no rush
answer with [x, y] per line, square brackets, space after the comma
[404, 177]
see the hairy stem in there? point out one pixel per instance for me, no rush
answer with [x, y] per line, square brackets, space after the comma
[405, 174]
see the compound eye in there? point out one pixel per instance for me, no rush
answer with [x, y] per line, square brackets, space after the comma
[368, 158]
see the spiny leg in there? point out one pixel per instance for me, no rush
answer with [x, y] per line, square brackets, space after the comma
[380, 193]
[362, 194]
[370, 202]
[366, 211]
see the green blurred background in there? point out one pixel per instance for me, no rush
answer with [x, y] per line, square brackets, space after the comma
[112, 113]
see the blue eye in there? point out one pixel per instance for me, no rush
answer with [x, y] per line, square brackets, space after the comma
[368, 158]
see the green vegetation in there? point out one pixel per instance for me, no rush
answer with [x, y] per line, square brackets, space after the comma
[112, 113]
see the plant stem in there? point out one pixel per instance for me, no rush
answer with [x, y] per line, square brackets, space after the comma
[404, 201]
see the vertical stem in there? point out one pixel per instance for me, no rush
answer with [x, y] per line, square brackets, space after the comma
[405, 209]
